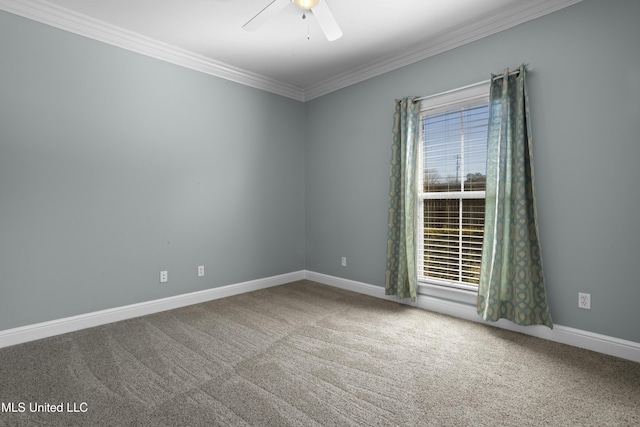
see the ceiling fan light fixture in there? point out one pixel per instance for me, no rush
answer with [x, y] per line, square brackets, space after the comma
[306, 4]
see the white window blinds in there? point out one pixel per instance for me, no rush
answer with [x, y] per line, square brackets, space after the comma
[453, 175]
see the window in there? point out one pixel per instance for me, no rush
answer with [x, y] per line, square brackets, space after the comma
[452, 174]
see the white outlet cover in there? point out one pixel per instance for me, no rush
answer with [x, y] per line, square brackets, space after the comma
[164, 277]
[200, 270]
[584, 300]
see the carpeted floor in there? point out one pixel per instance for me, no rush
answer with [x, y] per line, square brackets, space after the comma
[305, 354]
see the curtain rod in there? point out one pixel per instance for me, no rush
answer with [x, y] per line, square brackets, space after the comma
[471, 85]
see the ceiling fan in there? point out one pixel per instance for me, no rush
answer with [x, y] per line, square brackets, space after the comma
[318, 8]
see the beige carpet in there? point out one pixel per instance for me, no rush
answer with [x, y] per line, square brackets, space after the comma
[305, 354]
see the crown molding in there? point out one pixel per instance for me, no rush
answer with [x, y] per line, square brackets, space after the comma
[65, 19]
[476, 30]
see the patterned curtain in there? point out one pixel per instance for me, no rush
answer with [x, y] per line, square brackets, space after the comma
[401, 277]
[511, 277]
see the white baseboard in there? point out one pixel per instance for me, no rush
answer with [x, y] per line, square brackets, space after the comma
[575, 337]
[69, 324]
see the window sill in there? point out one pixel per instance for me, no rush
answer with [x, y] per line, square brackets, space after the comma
[452, 294]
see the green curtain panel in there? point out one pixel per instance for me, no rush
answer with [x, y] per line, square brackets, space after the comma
[511, 278]
[401, 277]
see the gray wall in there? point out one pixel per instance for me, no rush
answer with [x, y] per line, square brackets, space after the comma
[114, 166]
[585, 102]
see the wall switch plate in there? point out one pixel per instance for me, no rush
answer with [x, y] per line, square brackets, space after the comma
[584, 301]
[164, 277]
[344, 261]
[200, 270]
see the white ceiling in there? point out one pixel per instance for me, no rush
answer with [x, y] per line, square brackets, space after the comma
[207, 35]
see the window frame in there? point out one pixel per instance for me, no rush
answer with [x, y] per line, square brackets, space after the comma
[446, 101]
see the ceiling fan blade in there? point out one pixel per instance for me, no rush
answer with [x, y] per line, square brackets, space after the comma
[266, 14]
[327, 22]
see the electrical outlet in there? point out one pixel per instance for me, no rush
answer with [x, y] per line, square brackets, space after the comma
[344, 261]
[164, 277]
[200, 270]
[584, 301]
